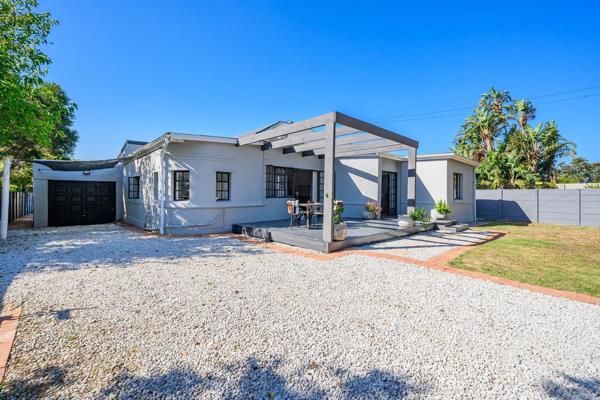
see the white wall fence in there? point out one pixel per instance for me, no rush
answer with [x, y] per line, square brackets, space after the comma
[549, 206]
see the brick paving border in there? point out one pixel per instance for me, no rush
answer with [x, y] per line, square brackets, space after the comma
[9, 320]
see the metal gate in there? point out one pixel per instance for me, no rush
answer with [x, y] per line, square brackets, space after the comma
[80, 202]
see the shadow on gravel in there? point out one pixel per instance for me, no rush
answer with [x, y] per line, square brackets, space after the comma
[35, 386]
[104, 246]
[258, 379]
[571, 387]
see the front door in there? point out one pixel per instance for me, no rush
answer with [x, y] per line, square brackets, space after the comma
[389, 192]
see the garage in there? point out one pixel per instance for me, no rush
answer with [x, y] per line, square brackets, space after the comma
[80, 202]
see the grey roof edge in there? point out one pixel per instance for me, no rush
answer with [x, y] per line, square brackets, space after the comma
[76, 165]
[131, 142]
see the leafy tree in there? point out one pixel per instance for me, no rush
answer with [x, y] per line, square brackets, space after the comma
[510, 151]
[579, 170]
[35, 116]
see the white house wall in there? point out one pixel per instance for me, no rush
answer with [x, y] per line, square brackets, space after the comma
[462, 210]
[42, 173]
[357, 181]
[431, 183]
[246, 164]
[145, 211]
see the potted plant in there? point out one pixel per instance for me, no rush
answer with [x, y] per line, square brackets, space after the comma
[420, 218]
[339, 226]
[372, 210]
[404, 221]
[441, 210]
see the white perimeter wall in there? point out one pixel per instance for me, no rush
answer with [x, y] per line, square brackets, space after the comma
[42, 173]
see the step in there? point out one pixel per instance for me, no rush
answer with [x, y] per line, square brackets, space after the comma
[454, 228]
[444, 222]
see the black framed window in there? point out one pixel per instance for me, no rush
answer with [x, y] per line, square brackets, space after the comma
[223, 185]
[321, 190]
[133, 187]
[457, 186]
[181, 185]
[279, 182]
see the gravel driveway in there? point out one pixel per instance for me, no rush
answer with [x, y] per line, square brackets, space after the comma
[110, 313]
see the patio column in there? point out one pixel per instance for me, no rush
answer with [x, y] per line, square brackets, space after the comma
[411, 190]
[329, 184]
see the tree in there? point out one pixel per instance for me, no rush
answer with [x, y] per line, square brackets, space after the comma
[579, 170]
[510, 151]
[35, 116]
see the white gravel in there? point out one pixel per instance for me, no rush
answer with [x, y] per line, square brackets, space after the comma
[429, 244]
[109, 313]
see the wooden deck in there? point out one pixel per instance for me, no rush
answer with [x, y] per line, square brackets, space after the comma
[359, 232]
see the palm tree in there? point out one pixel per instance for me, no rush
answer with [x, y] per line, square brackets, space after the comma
[554, 147]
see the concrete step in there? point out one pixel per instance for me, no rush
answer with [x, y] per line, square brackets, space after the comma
[444, 222]
[454, 228]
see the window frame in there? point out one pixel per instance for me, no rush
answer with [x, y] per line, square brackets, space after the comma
[133, 194]
[279, 182]
[176, 195]
[457, 186]
[220, 192]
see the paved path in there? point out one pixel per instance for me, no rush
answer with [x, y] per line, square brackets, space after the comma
[110, 313]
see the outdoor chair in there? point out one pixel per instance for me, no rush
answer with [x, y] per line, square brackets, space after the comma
[316, 214]
[293, 209]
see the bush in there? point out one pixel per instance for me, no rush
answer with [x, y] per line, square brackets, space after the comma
[338, 210]
[442, 207]
[373, 207]
[419, 214]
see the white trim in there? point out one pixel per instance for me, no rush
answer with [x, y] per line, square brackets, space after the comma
[433, 157]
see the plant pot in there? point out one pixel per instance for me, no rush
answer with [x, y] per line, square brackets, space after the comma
[339, 231]
[405, 221]
[425, 225]
[435, 215]
[368, 215]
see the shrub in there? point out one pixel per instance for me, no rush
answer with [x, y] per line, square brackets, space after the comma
[442, 207]
[338, 210]
[419, 214]
[373, 207]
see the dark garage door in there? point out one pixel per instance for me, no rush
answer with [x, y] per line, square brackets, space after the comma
[80, 203]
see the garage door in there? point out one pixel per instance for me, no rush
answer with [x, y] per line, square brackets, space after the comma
[80, 203]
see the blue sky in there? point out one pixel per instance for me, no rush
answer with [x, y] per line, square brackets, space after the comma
[140, 68]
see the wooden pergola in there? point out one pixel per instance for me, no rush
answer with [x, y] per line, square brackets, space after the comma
[335, 135]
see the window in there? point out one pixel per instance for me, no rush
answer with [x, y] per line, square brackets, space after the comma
[279, 181]
[457, 186]
[321, 190]
[133, 187]
[181, 185]
[223, 185]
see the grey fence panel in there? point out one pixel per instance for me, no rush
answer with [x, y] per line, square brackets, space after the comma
[519, 205]
[590, 207]
[549, 206]
[489, 204]
[20, 204]
[559, 206]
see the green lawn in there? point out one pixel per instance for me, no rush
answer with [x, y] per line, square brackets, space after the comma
[554, 256]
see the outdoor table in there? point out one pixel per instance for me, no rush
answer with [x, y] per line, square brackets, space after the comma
[310, 210]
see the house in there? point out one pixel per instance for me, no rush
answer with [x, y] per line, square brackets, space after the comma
[187, 183]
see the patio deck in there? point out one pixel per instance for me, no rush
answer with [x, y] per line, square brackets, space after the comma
[359, 232]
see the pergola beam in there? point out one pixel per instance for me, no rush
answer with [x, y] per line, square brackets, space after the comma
[375, 151]
[302, 137]
[318, 144]
[375, 130]
[352, 147]
[284, 130]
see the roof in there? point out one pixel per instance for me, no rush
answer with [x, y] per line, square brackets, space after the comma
[265, 128]
[136, 142]
[62, 165]
[434, 157]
